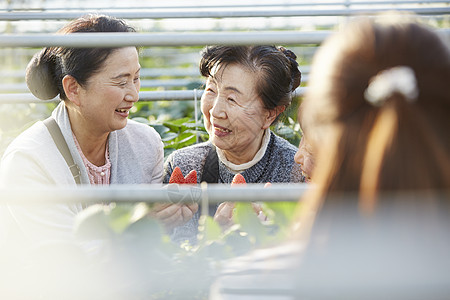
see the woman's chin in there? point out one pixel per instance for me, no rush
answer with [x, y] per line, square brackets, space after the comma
[119, 125]
[306, 176]
[218, 142]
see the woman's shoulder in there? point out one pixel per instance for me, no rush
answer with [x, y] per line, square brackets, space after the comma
[282, 156]
[33, 158]
[187, 159]
[191, 153]
[282, 149]
[35, 137]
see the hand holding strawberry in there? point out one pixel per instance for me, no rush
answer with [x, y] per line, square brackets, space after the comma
[173, 215]
[224, 213]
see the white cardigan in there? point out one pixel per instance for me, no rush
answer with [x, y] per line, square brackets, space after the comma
[32, 159]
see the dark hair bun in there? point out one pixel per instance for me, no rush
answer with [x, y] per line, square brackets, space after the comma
[39, 77]
[296, 75]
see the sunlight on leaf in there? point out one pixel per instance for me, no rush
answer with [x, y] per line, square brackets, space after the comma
[246, 217]
[212, 229]
[92, 223]
[120, 217]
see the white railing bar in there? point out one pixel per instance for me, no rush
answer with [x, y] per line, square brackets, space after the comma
[143, 96]
[222, 13]
[84, 40]
[152, 83]
[216, 193]
[145, 72]
[222, 6]
[174, 72]
[144, 52]
[169, 82]
[22, 87]
[169, 95]
[175, 39]
[18, 98]
[196, 114]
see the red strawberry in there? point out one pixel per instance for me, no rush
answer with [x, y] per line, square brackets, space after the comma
[191, 178]
[238, 179]
[177, 176]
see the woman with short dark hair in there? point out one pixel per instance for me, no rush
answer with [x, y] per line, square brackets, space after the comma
[247, 89]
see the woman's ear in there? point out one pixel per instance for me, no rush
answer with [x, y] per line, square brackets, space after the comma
[71, 89]
[272, 114]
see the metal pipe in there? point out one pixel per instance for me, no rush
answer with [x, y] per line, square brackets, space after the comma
[108, 39]
[177, 95]
[86, 40]
[219, 13]
[215, 193]
[238, 5]
[143, 96]
[153, 83]
[145, 72]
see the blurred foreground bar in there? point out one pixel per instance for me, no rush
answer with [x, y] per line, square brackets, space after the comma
[215, 193]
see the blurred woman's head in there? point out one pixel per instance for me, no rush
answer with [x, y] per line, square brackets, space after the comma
[246, 90]
[375, 134]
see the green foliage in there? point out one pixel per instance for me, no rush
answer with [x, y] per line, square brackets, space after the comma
[177, 134]
[148, 265]
[289, 130]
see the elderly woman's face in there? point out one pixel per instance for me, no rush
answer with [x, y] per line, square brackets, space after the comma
[234, 115]
[110, 93]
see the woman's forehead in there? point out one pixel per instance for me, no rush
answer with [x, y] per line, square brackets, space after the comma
[122, 60]
[232, 73]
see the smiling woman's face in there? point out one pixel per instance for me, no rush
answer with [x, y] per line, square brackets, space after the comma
[111, 92]
[233, 113]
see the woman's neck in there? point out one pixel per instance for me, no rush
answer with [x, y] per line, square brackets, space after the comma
[92, 143]
[246, 155]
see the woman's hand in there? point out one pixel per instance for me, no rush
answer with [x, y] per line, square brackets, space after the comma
[173, 215]
[188, 211]
[257, 208]
[224, 214]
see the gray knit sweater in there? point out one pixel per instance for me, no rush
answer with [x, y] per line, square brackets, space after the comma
[276, 166]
